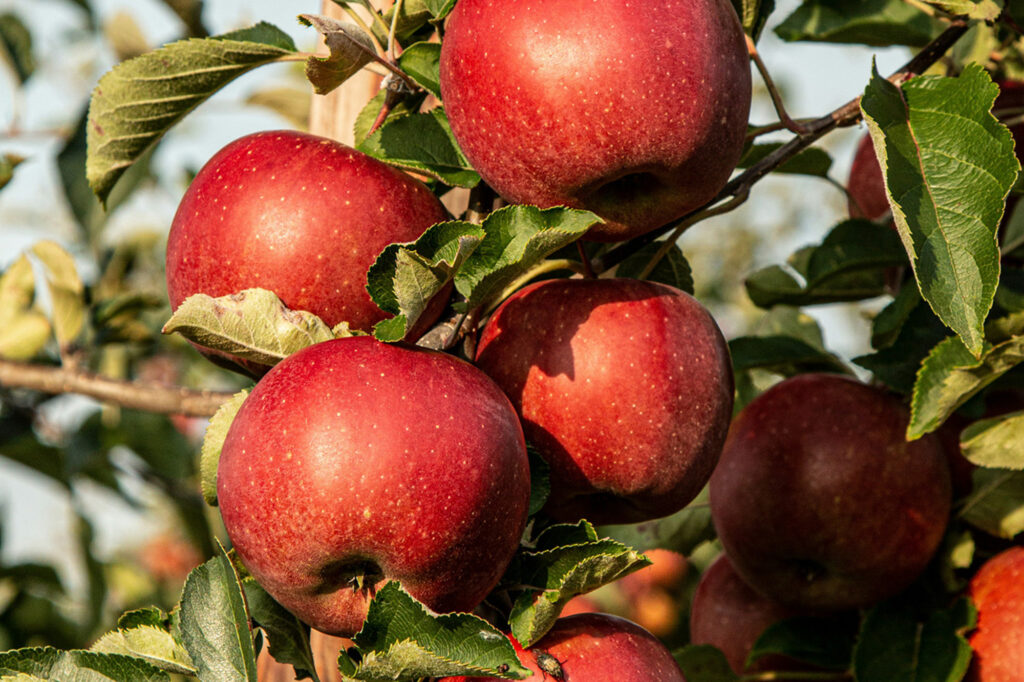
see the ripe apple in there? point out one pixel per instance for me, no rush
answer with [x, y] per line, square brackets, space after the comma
[633, 109]
[728, 614]
[624, 387]
[819, 500]
[353, 462]
[301, 215]
[998, 593]
[595, 647]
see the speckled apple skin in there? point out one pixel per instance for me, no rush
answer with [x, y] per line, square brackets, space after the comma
[819, 500]
[355, 451]
[625, 387]
[997, 590]
[300, 215]
[597, 647]
[728, 614]
[551, 101]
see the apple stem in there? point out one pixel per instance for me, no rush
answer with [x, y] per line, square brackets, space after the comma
[666, 246]
[588, 272]
[541, 268]
[780, 108]
[846, 115]
[139, 395]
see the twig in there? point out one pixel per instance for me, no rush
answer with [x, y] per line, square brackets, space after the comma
[588, 272]
[139, 395]
[846, 115]
[697, 217]
[397, 8]
[780, 108]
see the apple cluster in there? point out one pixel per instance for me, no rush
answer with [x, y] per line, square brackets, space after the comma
[355, 462]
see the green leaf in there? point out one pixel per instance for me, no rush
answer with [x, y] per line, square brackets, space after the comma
[8, 162]
[401, 639]
[848, 265]
[680, 532]
[422, 143]
[704, 663]
[66, 291]
[351, 48]
[897, 364]
[868, 22]
[24, 330]
[413, 17]
[16, 46]
[368, 115]
[140, 99]
[995, 443]
[517, 238]
[144, 633]
[439, 8]
[996, 503]
[213, 443]
[1010, 294]
[896, 644]
[753, 14]
[253, 324]
[951, 375]
[985, 10]
[811, 161]
[822, 642]
[213, 623]
[405, 278]
[540, 481]
[47, 663]
[673, 269]
[555, 574]
[287, 636]
[948, 166]
[422, 62]
[889, 323]
[783, 355]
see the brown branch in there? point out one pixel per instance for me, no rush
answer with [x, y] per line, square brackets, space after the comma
[846, 115]
[139, 395]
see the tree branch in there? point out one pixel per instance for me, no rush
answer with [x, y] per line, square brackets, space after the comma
[846, 115]
[139, 395]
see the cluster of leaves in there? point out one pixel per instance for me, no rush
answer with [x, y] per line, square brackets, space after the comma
[950, 336]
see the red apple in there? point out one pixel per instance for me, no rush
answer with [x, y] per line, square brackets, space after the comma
[301, 215]
[625, 388]
[595, 647]
[998, 593]
[353, 462]
[634, 109]
[819, 500]
[728, 614]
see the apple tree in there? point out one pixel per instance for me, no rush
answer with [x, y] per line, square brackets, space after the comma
[459, 372]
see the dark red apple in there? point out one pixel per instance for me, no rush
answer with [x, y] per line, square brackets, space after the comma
[728, 614]
[353, 462]
[819, 500]
[595, 647]
[301, 215]
[625, 387]
[633, 109]
[997, 590]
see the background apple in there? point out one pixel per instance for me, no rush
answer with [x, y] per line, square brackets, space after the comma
[301, 215]
[634, 109]
[728, 614]
[998, 593]
[596, 647]
[819, 500]
[625, 387]
[353, 462]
